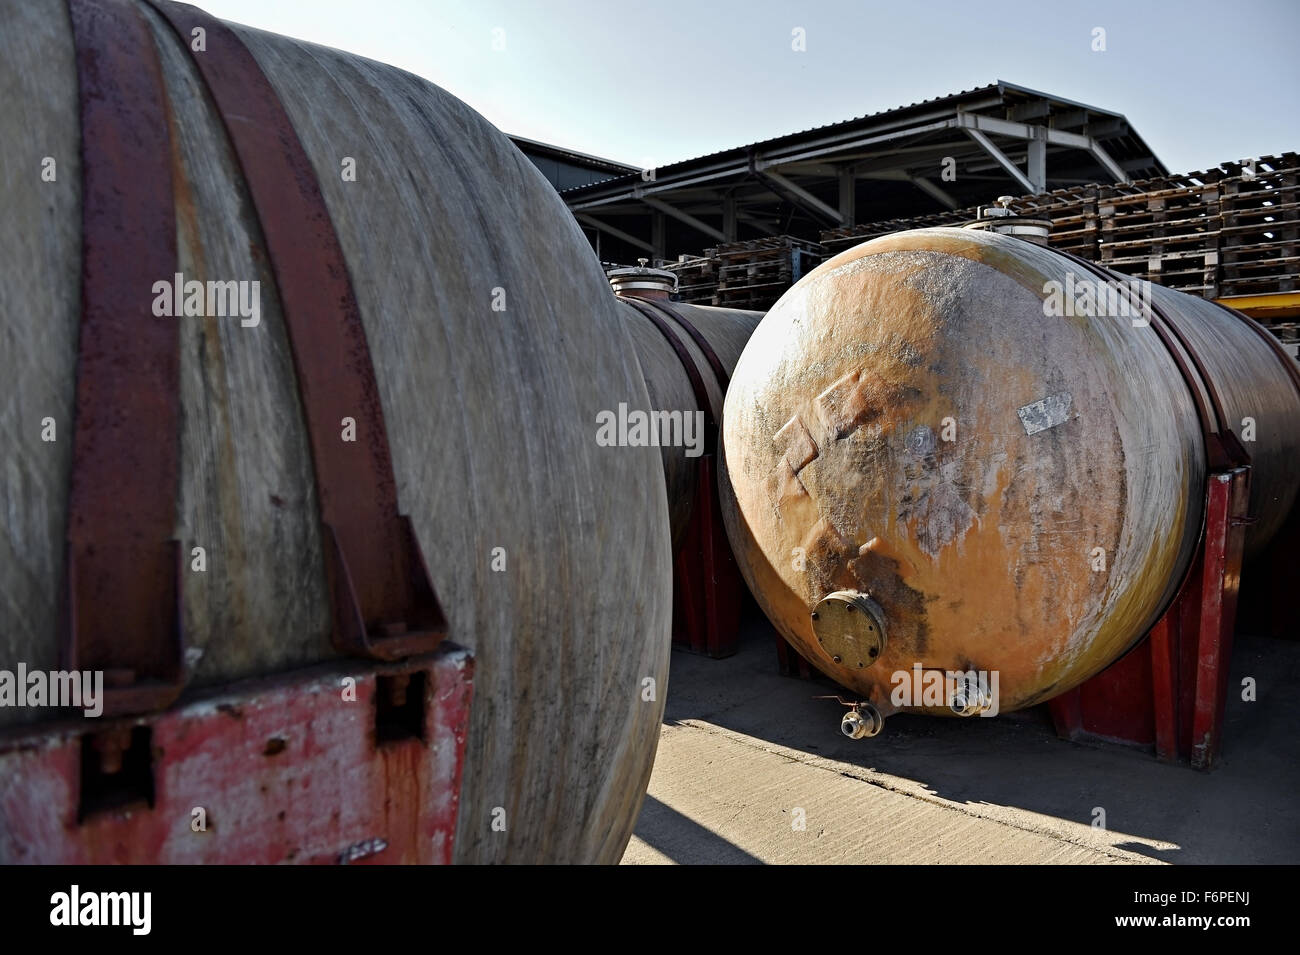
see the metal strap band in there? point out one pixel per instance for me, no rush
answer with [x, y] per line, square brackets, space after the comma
[719, 372]
[693, 373]
[122, 577]
[383, 602]
[1291, 366]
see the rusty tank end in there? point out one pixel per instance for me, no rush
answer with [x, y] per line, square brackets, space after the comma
[933, 463]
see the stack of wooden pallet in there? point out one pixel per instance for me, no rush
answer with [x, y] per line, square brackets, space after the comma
[1228, 231]
[1259, 234]
[697, 277]
[835, 241]
[754, 274]
[1164, 230]
[1076, 225]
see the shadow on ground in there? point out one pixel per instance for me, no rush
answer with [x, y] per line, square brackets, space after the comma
[1247, 810]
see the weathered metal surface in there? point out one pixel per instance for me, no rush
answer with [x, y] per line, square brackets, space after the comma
[123, 578]
[872, 442]
[290, 769]
[494, 346]
[383, 603]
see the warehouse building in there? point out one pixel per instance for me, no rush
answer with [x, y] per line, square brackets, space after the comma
[939, 154]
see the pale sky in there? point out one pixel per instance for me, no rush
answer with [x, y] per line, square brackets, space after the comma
[650, 84]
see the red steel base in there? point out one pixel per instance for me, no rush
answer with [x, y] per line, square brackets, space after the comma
[707, 586]
[292, 768]
[791, 662]
[1170, 691]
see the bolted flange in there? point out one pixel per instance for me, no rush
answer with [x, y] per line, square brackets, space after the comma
[850, 628]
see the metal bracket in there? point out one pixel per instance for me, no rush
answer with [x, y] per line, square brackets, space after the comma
[122, 576]
[383, 601]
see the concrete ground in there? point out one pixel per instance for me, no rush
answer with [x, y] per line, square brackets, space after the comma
[746, 755]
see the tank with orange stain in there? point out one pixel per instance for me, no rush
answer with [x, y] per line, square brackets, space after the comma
[1018, 491]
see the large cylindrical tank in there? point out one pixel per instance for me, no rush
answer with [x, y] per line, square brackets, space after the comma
[932, 428]
[491, 415]
[726, 330]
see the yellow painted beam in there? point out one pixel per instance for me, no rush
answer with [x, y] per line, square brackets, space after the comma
[1275, 305]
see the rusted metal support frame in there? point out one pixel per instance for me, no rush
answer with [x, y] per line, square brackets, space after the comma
[383, 601]
[1221, 559]
[122, 610]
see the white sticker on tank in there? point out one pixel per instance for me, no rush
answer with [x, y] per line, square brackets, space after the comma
[1045, 413]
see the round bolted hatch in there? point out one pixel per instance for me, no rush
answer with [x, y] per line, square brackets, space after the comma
[849, 627]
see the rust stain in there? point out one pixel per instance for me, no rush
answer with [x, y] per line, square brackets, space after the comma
[976, 548]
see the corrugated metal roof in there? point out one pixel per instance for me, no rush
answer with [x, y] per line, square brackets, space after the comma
[845, 122]
[578, 158]
[1001, 87]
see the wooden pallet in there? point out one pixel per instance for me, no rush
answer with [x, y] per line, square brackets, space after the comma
[697, 278]
[1230, 230]
[749, 274]
[835, 241]
[755, 273]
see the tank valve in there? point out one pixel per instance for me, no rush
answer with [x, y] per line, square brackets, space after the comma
[862, 720]
[969, 698]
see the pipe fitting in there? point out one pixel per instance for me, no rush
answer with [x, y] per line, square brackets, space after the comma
[862, 722]
[969, 699]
